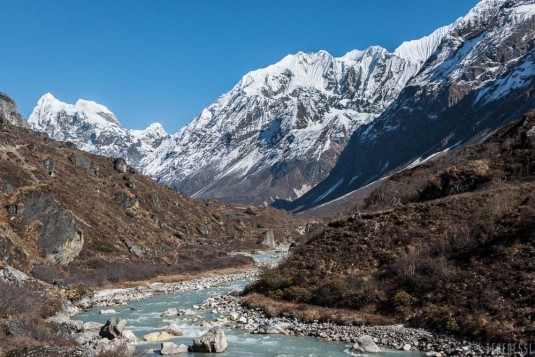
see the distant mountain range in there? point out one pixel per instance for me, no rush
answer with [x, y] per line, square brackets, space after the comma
[313, 127]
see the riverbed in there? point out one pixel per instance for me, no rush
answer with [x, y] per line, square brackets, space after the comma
[144, 316]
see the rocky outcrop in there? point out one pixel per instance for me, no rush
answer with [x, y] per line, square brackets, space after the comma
[212, 341]
[8, 111]
[60, 239]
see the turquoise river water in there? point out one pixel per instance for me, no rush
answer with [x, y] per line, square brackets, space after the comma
[143, 317]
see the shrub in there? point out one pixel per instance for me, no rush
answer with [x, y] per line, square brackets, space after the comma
[403, 302]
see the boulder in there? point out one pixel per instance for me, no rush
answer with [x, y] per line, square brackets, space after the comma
[108, 312]
[17, 329]
[84, 162]
[113, 328]
[169, 348]
[116, 347]
[158, 336]
[365, 344]
[173, 330]
[203, 230]
[133, 248]
[170, 312]
[129, 336]
[49, 166]
[120, 165]
[59, 238]
[5, 187]
[91, 326]
[212, 341]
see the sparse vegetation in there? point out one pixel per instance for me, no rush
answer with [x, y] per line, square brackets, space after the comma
[447, 245]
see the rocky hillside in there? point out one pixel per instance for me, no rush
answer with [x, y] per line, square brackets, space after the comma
[447, 245]
[69, 215]
[480, 77]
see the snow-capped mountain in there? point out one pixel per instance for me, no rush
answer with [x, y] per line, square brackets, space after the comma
[481, 76]
[279, 131]
[93, 127]
[276, 134]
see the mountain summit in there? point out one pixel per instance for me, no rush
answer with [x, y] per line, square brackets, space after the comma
[280, 130]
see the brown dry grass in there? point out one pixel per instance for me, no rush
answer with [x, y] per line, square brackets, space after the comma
[311, 313]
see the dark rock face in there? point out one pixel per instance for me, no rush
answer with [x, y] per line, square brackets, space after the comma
[60, 239]
[113, 328]
[8, 110]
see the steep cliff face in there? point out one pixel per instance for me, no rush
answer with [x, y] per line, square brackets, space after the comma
[8, 109]
[481, 76]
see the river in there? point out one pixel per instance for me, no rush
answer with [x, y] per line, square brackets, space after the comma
[143, 317]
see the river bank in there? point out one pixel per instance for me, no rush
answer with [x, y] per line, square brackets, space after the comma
[226, 310]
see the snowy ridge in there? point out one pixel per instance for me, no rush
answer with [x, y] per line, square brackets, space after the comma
[297, 112]
[279, 131]
[479, 75]
[93, 127]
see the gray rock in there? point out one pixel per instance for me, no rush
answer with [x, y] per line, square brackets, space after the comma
[273, 329]
[113, 328]
[366, 344]
[133, 248]
[120, 165]
[170, 312]
[84, 162]
[212, 341]
[169, 348]
[203, 230]
[5, 187]
[173, 330]
[91, 326]
[17, 329]
[155, 201]
[60, 238]
[129, 336]
[49, 166]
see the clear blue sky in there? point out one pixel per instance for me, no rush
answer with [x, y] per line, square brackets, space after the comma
[165, 60]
